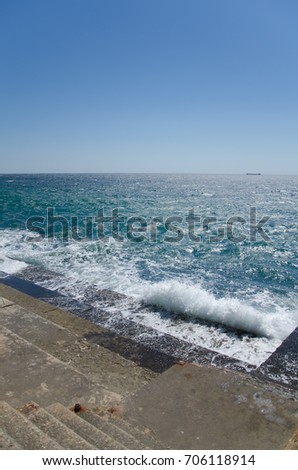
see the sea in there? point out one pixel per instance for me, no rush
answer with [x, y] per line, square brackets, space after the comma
[211, 258]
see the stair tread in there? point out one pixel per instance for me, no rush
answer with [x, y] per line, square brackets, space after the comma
[47, 379]
[7, 442]
[64, 335]
[97, 438]
[53, 427]
[143, 435]
[126, 438]
[21, 430]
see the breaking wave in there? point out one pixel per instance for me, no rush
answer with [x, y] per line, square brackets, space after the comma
[196, 302]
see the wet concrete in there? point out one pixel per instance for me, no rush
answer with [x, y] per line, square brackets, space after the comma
[141, 355]
[143, 345]
[282, 366]
[149, 348]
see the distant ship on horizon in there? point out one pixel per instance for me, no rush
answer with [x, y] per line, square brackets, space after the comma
[253, 174]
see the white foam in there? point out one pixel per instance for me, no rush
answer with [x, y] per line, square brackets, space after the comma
[8, 263]
[110, 265]
[194, 301]
[10, 266]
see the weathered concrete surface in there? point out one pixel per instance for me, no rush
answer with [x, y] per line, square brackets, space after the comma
[186, 407]
[293, 442]
[142, 434]
[107, 426]
[54, 428]
[107, 368]
[28, 373]
[195, 407]
[7, 442]
[25, 434]
[5, 302]
[96, 437]
[65, 338]
[57, 427]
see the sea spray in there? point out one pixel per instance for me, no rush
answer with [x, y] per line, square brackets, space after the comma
[195, 302]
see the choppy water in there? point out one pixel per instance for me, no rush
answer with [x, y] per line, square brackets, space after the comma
[237, 297]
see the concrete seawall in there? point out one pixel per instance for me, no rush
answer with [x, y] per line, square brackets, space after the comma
[50, 355]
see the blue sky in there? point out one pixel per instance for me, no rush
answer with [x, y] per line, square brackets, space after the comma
[195, 86]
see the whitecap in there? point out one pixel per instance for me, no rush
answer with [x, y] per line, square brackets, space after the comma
[196, 302]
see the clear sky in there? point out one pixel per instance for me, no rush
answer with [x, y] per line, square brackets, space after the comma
[194, 86]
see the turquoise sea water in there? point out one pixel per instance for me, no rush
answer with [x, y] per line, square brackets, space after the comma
[224, 276]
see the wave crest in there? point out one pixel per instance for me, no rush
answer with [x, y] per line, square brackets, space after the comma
[194, 301]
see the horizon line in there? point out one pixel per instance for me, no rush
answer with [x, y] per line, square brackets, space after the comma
[251, 173]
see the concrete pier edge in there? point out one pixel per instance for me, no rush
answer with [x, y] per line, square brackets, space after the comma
[164, 350]
[204, 405]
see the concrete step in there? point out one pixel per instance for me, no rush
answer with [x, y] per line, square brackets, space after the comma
[5, 302]
[66, 337]
[7, 442]
[24, 433]
[51, 338]
[28, 373]
[142, 433]
[112, 430]
[54, 428]
[97, 438]
[35, 329]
